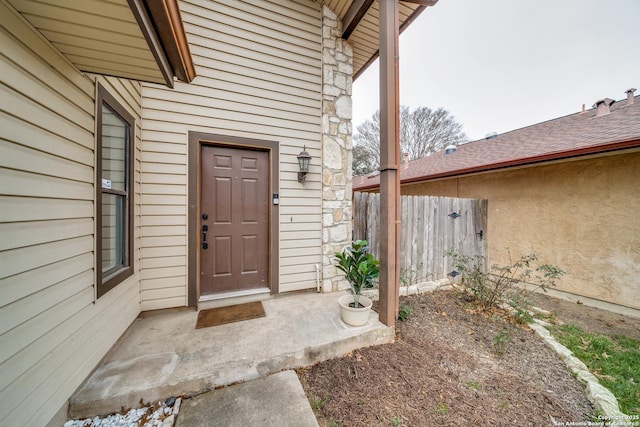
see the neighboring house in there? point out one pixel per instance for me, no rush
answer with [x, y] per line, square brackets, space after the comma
[110, 168]
[567, 189]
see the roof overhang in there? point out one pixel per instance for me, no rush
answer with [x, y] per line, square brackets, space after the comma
[145, 39]
[134, 39]
[360, 25]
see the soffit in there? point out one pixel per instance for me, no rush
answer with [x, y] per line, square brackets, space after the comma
[97, 36]
[104, 37]
[364, 38]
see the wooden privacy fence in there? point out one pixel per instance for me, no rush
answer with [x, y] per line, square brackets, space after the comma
[430, 227]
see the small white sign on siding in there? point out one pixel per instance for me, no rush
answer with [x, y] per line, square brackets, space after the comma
[106, 183]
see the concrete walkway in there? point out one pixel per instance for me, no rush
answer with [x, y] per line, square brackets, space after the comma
[163, 355]
[276, 400]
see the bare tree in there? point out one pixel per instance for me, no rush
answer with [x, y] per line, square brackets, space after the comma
[361, 161]
[422, 132]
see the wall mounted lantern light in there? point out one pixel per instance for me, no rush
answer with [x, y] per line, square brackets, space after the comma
[303, 162]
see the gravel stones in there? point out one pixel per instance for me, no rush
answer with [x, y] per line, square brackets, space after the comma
[160, 414]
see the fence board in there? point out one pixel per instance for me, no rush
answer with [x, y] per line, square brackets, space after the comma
[427, 232]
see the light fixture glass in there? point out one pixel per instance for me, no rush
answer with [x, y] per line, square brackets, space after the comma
[303, 162]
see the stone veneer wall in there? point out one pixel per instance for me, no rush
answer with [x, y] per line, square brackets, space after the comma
[337, 70]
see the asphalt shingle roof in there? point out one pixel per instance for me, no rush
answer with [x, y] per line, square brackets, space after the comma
[564, 137]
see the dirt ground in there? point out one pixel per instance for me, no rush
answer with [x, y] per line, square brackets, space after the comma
[590, 319]
[452, 366]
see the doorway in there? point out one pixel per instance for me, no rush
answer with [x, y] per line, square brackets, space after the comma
[233, 224]
[234, 220]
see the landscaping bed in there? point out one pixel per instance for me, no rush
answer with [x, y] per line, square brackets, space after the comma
[450, 365]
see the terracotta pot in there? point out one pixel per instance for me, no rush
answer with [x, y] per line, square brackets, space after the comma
[354, 316]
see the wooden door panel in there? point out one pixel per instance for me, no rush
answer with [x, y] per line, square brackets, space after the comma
[249, 209]
[234, 195]
[223, 195]
[222, 254]
[249, 254]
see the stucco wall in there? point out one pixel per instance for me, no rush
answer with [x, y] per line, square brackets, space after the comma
[583, 216]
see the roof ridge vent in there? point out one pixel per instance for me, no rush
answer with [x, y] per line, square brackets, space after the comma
[603, 106]
[629, 93]
[491, 135]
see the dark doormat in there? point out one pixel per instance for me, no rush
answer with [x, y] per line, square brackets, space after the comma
[230, 314]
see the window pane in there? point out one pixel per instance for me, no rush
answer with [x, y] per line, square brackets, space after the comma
[114, 148]
[113, 231]
[115, 139]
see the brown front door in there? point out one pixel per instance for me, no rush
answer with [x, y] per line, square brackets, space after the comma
[234, 212]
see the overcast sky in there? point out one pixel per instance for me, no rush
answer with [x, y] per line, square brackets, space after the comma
[499, 65]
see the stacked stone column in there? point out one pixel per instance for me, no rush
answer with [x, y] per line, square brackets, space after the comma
[337, 70]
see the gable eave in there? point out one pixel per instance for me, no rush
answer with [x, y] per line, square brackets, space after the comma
[117, 38]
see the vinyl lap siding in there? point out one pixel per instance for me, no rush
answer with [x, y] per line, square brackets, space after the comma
[52, 331]
[259, 76]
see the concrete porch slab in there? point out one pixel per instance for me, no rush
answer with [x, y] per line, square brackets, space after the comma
[164, 355]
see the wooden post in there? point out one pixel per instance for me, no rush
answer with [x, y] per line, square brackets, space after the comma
[389, 162]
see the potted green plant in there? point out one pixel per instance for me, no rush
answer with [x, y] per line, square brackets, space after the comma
[360, 269]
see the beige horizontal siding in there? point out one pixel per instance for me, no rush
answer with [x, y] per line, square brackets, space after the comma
[289, 210]
[21, 285]
[161, 241]
[299, 225]
[193, 116]
[163, 262]
[183, 103]
[40, 326]
[298, 217]
[16, 235]
[52, 330]
[20, 183]
[28, 209]
[163, 251]
[232, 89]
[164, 302]
[161, 220]
[16, 261]
[259, 76]
[48, 165]
[38, 92]
[26, 110]
[38, 138]
[152, 210]
[111, 319]
[291, 246]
